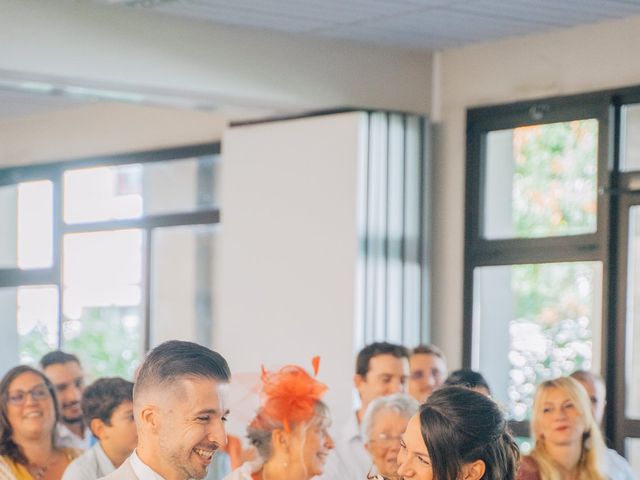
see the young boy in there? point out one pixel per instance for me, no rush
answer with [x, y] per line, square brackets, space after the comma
[107, 408]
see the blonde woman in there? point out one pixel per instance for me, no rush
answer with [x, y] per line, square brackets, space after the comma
[568, 444]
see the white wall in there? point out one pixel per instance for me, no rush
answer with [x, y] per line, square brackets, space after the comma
[287, 262]
[558, 63]
[101, 129]
[146, 52]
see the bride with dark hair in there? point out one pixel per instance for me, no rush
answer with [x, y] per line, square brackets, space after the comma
[458, 434]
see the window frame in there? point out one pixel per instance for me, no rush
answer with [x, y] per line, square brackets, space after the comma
[54, 172]
[481, 252]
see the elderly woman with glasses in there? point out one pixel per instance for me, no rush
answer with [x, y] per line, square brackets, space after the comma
[383, 424]
[28, 416]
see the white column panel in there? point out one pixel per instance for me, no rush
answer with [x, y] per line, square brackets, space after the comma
[288, 254]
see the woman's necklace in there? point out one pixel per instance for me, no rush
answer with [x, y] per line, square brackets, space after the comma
[37, 471]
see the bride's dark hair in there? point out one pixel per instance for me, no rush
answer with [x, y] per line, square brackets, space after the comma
[460, 426]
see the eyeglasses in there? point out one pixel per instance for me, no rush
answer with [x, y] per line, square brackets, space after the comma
[37, 393]
[386, 439]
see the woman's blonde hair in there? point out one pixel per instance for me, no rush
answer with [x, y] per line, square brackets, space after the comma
[593, 447]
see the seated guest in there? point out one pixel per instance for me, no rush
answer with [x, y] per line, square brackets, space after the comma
[427, 371]
[179, 409]
[567, 440]
[28, 417]
[383, 424]
[290, 429]
[616, 467]
[107, 405]
[458, 434]
[65, 372]
[465, 377]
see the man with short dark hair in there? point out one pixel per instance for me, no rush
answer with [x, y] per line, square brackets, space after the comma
[381, 369]
[66, 374]
[616, 466]
[427, 371]
[179, 409]
[107, 405]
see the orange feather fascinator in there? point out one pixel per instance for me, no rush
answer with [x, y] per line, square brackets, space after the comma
[290, 394]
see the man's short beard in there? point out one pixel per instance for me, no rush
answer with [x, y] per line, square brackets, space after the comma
[179, 463]
[71, 420]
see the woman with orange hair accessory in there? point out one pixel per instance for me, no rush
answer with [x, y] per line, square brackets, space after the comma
[289, 430]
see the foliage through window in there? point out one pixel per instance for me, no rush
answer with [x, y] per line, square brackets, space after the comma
[75, 268]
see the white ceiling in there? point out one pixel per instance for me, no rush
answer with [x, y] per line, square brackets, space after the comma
[416, 24]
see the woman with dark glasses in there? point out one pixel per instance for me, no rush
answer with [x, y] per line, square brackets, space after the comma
[28, 416]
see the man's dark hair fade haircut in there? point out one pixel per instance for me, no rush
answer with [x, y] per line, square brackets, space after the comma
[58, 357]
[174, 360]
[103, 397]
[373, 350]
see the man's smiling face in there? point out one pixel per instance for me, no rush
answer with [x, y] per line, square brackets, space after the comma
[191, 426]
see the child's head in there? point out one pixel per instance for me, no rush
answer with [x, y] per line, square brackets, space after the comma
[107, 407]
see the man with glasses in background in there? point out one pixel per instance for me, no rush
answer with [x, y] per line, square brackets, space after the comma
[427, 371]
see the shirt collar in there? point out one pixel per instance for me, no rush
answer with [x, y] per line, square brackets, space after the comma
[70, 439]
[142, 471]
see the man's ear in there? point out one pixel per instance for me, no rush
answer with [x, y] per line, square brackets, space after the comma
[149, 417]
[474, 470]
[97, 427]
[358, 380]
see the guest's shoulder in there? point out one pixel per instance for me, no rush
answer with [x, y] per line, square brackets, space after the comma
[528, 469]
[5, 468]
[75, 453]
[81, 466]
[617, 467]
[124, 472]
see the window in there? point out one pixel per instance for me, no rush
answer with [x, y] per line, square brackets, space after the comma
[551, 250]
[392, 301]
[90, 251]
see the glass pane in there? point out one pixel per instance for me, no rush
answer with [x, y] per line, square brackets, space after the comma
[541, 181]
[26, 217]
[630, 148]
[102, 300]
[535, 322]
[633, 317]
[632, 447]
[132, 191]
[182, 285]
[34, 329]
